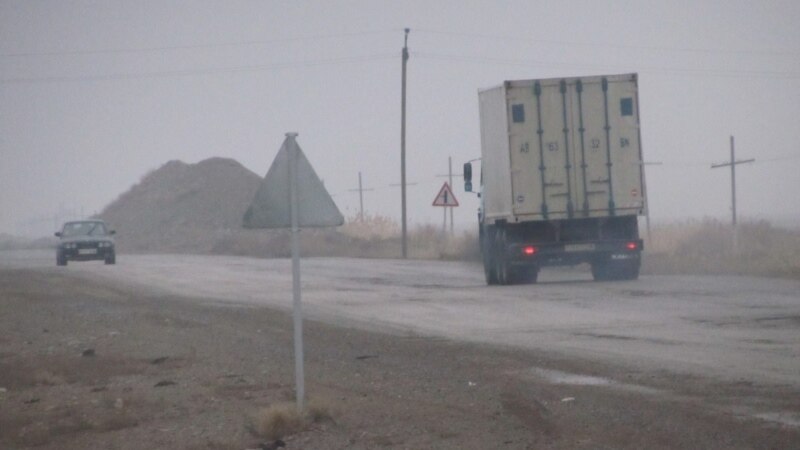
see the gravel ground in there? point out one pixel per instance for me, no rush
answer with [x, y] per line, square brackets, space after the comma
[99, 365]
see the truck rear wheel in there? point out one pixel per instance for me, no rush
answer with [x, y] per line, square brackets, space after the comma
[487, 251]
[488, 269]
[628, 271]
[615, 270]
[501, 267]
[528, 275]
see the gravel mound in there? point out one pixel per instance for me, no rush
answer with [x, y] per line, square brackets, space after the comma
[183, 207]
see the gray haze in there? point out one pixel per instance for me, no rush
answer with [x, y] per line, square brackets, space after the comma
[94, 94]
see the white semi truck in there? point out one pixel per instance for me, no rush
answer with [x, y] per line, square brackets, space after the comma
[562, 177]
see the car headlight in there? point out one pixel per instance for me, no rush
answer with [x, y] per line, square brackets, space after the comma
[69, 245]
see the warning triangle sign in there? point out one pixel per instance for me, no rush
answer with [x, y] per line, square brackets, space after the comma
[445, 197]
[271, 206]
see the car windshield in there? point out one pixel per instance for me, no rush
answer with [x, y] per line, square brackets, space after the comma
[84, 229]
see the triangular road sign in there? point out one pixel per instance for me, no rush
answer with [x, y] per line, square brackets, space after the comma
[271, 206]
[445, 197]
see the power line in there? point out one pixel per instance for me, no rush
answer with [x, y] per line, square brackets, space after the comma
[548, 64]
[192, 72]
[697, 164]
[778, 158]
[788, 53]
[193, 46]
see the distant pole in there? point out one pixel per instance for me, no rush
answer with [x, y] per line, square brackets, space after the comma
[733, 183]
[444, 221]
[733, 164]
[450, 178]
[360, 199]
[297, 309]
[403, 148]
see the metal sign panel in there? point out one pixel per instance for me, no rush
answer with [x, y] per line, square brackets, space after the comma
[445, 197]
[271, 206]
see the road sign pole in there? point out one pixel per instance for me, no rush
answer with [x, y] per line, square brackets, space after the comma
[276, 205]
[403, 150]
[297, 306]
[450, 178]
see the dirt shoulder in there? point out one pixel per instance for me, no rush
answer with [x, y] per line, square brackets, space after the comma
[95, 365]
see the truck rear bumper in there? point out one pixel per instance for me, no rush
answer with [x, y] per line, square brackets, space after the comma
[573, 253]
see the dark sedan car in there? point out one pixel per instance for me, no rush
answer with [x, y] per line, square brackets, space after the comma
[85, 240]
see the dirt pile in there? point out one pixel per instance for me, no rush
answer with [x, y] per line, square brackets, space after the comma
[183, 207]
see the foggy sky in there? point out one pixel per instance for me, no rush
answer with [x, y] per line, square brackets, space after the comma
[95, 94]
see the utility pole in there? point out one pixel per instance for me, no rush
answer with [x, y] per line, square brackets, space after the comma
[360, 197]
[403, 147]
[733, 164]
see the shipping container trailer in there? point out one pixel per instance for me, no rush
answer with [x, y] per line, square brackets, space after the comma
[562, 177]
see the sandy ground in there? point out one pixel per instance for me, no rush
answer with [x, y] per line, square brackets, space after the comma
[87, 364]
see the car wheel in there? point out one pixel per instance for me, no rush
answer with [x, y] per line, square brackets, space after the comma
[61, 260]
[111, 259]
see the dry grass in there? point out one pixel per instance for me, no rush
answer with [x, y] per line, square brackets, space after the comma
[278, 421]
[374, 237]
[371, 227]
[318, 411]
[283, 419]
[707, 247]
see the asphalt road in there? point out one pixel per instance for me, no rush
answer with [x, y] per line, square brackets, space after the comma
[727, 328]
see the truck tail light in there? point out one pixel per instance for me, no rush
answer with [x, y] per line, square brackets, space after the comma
[632, 245]
[529, 250]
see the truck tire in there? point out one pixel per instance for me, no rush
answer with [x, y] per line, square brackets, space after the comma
[628, 271]
[526, 275]
[501, 267]
[606, 270]
[600, 270]
[487, 251]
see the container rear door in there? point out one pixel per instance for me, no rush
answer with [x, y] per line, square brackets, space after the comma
[574, 147]
[542, 175]
[607, 146]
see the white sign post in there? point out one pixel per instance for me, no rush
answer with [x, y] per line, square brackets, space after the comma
[292, 196]
[297, 305]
